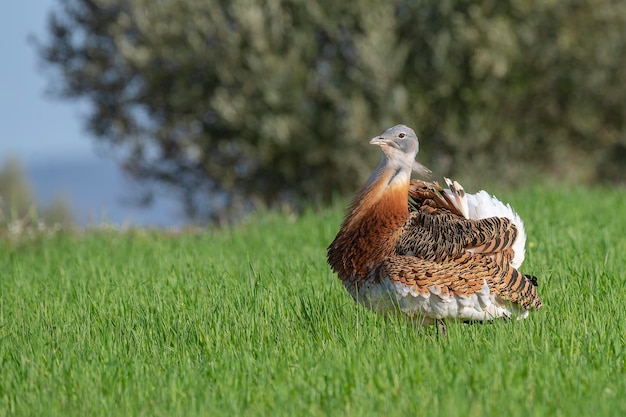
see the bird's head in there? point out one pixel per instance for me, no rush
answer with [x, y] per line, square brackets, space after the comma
[400, 146]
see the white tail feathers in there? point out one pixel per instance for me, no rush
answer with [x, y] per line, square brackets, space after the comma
[482, 205]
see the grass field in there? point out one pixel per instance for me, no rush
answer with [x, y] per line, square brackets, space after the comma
[250, 321]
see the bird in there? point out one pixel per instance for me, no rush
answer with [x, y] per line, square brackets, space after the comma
[433, 254]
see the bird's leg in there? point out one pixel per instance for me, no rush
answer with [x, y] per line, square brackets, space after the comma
[441, 328]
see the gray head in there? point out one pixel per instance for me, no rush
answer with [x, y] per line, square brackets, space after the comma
[399, 145]
[399, 139]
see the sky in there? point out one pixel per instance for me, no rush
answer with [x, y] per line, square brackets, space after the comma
[47, 134]
[33, 125]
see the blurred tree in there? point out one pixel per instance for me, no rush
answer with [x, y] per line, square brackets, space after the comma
[235, 103]
[16, 198]
[18, 208]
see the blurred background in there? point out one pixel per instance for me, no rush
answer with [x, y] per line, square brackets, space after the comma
[48, 162]
[200, 111]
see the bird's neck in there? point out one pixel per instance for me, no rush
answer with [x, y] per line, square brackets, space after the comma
[383, 196]
[370, 230]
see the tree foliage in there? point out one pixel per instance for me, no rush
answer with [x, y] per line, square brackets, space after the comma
[234, 103]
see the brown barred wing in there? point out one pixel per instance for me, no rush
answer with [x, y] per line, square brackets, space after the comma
[442, 236]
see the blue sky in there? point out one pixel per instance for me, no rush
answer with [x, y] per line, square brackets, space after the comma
[32, 125]
[46, 134]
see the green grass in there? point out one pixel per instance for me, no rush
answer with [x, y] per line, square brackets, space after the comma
[250, 321]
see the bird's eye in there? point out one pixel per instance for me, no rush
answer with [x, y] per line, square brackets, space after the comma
[401, 135]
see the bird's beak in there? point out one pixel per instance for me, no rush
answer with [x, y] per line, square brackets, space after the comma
[378, 140]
